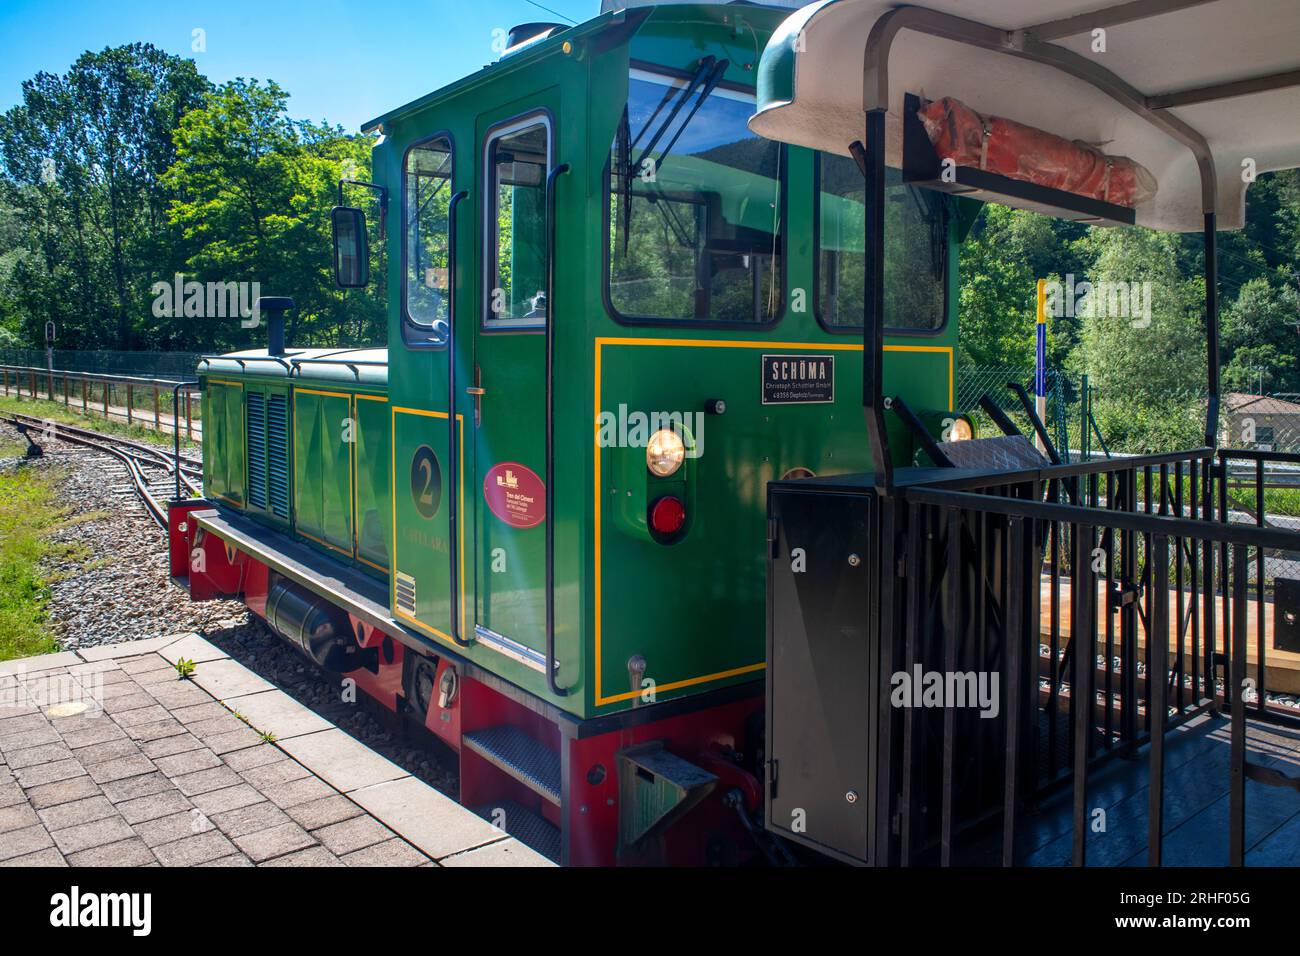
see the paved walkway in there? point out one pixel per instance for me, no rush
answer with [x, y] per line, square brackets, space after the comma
[108, 758]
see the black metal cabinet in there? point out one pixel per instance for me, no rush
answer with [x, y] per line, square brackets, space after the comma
[821, 702]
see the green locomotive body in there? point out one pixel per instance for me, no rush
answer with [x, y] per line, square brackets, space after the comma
[715, 288]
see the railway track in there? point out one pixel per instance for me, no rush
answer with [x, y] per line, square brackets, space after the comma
[153, 471]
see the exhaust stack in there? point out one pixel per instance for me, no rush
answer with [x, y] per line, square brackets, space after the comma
[273, 307]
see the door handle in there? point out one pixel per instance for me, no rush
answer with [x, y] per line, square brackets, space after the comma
[478, 391]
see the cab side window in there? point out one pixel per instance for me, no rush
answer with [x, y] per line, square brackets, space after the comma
[518, 158]
[426, 194]
[916, 250]
[694, 207]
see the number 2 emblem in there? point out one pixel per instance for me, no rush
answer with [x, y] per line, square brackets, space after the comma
[426, 481]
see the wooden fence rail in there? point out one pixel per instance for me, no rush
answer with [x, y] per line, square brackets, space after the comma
[22, 381]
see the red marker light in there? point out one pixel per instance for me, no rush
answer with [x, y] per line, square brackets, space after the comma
[667, 515]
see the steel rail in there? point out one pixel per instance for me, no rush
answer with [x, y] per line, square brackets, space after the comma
[188, 464]
[132, 458]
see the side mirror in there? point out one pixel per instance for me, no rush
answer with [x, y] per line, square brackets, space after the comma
[351, 248]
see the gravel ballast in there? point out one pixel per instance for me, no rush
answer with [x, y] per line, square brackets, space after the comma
[119, 589]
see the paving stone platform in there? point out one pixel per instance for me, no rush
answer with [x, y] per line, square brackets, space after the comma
[108, 758]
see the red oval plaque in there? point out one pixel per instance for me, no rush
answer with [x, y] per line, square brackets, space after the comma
[515, 494]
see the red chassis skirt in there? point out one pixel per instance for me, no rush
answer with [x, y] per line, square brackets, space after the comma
[589, 815]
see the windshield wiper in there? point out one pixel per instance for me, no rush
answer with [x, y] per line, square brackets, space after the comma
[706, 79]
[623, 162]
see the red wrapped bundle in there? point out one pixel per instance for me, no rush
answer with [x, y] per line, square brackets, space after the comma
[1031, 155]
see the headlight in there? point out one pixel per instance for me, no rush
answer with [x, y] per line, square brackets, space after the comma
[664, 452]
[960, 430]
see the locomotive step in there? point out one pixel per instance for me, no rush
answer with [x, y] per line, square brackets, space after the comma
[526, 826]
[508, 748]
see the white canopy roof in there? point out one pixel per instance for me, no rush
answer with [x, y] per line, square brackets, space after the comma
[1221, 77]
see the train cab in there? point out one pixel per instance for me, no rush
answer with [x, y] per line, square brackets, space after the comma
[536, 523]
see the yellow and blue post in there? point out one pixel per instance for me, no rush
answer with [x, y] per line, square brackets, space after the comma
[1040, 361]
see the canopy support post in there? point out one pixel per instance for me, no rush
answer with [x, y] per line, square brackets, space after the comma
[1212, 329]
[871, 159]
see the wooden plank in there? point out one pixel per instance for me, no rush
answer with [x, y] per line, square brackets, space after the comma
[1282, 668]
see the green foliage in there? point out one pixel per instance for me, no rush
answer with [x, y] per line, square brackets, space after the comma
[83, 155]
[132, 168]
[252, 193]
[1149, 372]
[1150, 380]
[1000, 264]
[29, 511]
[1260, 332]
[185, 669]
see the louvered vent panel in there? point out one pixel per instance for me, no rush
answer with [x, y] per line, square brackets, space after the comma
[405, 593]
[277, 450]
[256, 425]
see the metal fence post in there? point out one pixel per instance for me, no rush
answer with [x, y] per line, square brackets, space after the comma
[1085, 396]
[1237, 682]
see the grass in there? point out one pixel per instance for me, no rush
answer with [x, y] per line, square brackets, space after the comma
[29, 511]
[1277, 501]
[57, 411]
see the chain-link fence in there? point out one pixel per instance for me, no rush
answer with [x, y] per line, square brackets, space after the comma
[177, 366]
[1085, 422]
[1062, 403]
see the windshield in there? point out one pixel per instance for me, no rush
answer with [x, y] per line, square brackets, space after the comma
[694, 205]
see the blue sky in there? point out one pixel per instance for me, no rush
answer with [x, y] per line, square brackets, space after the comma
[345, 61]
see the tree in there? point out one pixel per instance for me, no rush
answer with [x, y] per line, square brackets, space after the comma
[1001, 261]
[251, 192]
[80, 164]
[1149, 371]
[1260, 332]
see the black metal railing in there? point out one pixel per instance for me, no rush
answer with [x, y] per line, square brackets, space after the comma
[1112, 598]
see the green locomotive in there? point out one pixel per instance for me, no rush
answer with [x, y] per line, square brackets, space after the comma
[536, 522]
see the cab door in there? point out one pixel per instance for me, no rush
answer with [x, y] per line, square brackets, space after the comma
[429, 477]
[508, 388]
